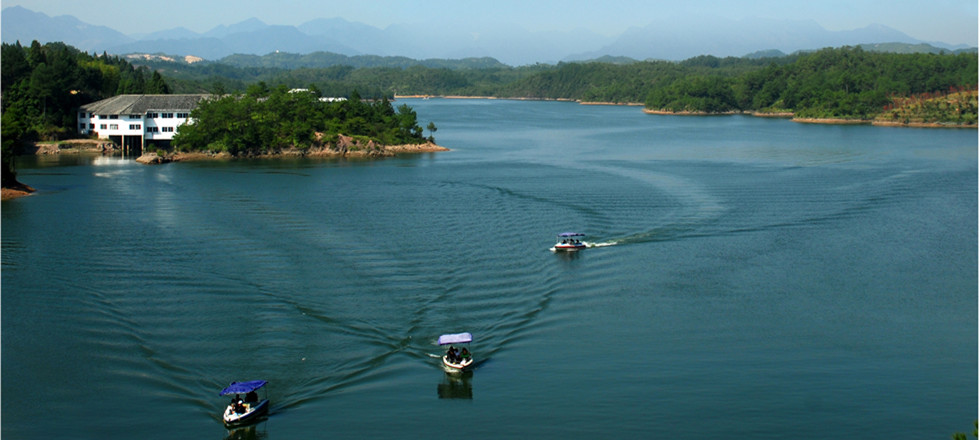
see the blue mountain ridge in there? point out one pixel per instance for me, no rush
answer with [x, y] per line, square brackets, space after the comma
[663, 39]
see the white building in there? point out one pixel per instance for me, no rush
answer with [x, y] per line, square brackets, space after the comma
[133, 121]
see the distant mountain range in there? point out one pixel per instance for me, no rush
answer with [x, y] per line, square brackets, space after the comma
[513, 45]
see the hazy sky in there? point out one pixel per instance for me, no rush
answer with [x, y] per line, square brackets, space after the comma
[949, 21]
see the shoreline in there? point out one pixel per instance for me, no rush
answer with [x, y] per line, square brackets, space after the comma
[347, 147]
[920, 124]
[758, 114]
[19, 190]
[68, 146]
[88, 146]
[826, 121]
[691, 113]
[518, 98]
[833, 121]
[153, 158]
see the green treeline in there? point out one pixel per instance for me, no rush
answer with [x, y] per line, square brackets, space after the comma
[830, 83]
[43, 86]
[264, 120]
[847, 82]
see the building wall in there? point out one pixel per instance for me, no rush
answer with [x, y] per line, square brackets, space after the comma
[153, 125]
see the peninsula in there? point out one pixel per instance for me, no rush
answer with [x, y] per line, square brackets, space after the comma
[266, 122]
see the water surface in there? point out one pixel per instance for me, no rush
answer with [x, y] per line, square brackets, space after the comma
[758, 279]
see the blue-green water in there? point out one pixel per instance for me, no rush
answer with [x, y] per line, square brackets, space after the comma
[759, 279]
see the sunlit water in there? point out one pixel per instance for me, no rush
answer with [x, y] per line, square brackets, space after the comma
[750, 278]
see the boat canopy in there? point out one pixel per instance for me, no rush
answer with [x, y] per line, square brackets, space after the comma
[243, 387]
[458, 338]
[571, 234]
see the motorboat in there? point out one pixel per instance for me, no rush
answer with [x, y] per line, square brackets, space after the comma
[240, 412]
[569, 242]
[453, 362]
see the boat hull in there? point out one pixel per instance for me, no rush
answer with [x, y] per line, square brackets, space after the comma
[254, 412]
[568, 247]
[456, 368]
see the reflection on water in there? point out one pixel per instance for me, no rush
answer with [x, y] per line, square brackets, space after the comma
[456, 386]
[110, 161]
[251, 432]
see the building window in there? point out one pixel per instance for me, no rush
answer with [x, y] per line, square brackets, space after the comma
[135, 126]
[166, 115]
[91, 126]
[102, 126]
[82, 115]
[152, 129]
[113, 116]
[113, 126]
[183, 115]
[152, 115]
[167, 129]
[81, 127]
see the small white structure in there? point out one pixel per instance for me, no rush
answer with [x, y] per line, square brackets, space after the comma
[133, 121]
[322, 98]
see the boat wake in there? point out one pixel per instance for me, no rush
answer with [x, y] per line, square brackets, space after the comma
[604, 244]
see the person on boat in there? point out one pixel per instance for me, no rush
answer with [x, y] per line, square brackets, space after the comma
[236, 405]
[451, 355]
[464, 355]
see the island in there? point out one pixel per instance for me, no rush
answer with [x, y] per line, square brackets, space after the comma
[274, 122]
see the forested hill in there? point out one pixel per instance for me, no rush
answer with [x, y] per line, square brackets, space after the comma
[290, 61]
[847, 82]
[831, 83]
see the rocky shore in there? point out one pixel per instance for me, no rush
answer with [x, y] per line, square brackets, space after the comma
[15, 191]
[689, 113]
[344, 147]
[830, 121]
[70, 146]
[152, 158]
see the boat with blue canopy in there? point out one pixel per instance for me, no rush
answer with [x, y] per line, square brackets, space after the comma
[456, 362]
[242, 411]
[569, 242]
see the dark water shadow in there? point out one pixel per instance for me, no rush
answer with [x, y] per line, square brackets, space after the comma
[456, 386]
[250, 432]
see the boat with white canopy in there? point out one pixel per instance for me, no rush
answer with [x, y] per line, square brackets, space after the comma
[456, 362]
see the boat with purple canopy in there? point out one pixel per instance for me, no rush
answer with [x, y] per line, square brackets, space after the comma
[569, 242]
[456, 362]
[240, 412]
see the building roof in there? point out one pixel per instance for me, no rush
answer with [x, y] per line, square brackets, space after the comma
[140, 104]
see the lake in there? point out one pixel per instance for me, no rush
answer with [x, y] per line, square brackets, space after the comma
[750, 278]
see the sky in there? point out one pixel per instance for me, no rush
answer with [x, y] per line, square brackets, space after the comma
[948, 21]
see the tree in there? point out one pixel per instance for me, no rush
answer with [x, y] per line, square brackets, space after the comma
[432, 130]
[11, 131]
[157, 85]
[270, 120]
